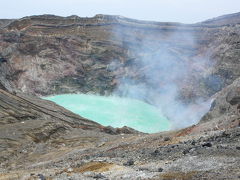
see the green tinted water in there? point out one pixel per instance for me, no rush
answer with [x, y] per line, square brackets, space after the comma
[115, 111]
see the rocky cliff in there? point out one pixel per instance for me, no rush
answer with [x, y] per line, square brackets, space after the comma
[47, 54]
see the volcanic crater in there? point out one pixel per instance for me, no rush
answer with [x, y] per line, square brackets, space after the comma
[191, 72]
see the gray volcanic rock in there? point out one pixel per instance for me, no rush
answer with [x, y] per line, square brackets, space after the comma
[53, 55]
[224, 20]
[225, 109]
[5, 22]
[2, 87]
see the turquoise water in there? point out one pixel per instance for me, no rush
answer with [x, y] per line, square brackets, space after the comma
[115, 111]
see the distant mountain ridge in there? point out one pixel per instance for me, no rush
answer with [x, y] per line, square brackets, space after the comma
[224, 20]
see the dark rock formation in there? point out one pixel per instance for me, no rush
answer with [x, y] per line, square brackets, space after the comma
[2, 87]
[225, 109]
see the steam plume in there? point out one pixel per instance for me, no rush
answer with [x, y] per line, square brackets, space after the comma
[160, 66]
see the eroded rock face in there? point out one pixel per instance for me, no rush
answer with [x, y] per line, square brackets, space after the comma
[225, 109]
[5, 22]
[44, 55]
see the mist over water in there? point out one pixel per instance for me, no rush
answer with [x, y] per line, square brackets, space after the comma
[115, 111]
[162, 66]
[159, 69]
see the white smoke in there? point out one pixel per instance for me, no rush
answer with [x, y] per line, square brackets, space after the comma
[160, 64]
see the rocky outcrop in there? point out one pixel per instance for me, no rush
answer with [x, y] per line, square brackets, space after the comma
[5, 22]
[225, 109]
[224, 20]
[2, 87]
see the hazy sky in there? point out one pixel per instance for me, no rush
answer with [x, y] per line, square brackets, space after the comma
[185, 11]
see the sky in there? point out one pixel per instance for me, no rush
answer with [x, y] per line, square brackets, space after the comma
[184, 11]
